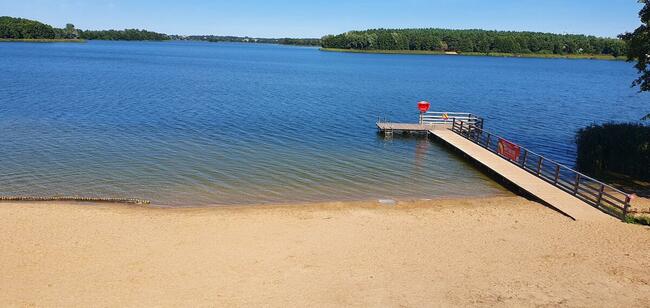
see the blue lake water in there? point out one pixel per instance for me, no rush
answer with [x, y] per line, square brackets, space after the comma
[188, 123]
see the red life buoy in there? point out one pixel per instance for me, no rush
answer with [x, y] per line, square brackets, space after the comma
[424, 106]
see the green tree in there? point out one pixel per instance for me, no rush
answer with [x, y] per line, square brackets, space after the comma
[70, 32]
[20, 28]
[505, 44]
[474, 41]
[638, 48]
[123, 35]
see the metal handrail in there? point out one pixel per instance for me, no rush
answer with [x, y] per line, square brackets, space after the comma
[438, 117]
[602, 196]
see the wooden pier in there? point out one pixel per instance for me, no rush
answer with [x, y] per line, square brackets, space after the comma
[406, 127]
[566, 190]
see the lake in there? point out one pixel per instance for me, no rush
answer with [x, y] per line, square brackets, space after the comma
[192, 123]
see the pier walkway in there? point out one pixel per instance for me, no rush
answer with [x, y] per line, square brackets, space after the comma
[566, 190]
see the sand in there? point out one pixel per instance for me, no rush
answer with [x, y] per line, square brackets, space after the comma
[504, 251]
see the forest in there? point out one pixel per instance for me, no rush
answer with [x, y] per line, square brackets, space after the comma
[246, 39]
[122, 35]
[478, 41]
[21, 28]
[25, 29]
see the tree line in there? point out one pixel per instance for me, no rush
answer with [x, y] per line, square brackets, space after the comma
[481, 41]
[21, 28]
[122, 35]
[246, 39]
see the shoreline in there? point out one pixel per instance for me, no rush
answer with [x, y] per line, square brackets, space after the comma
[460, 252]
[639, 211]
[3, 40]
[477, 54]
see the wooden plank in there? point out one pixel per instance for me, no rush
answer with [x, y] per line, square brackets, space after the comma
[549, 194]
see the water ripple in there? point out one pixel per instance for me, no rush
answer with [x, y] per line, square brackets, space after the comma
[202, 124]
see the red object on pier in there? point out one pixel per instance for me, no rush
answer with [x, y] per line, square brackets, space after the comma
[424, 106]
[508, 150]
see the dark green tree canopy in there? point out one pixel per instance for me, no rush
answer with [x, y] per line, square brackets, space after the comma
[21, 28]
[246, 39]
[638, 47]
[123, 35]
[482, 41]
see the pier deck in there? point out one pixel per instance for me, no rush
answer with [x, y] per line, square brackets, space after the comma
[562, 188]
[408, 127]
[549, 194]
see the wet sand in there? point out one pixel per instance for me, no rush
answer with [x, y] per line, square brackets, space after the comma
[504, 251]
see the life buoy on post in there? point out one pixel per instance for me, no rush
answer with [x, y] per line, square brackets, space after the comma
[423, 106]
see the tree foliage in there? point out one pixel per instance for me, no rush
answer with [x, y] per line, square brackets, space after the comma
[21, 28]
[122, 35]
[246, 39]
[482, 41]
[621, 148]
[69, 32]
[638, 47]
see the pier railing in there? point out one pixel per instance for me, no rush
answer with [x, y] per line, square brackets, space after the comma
[436, 117]
[596, 193]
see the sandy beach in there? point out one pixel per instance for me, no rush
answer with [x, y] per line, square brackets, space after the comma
[504, 251]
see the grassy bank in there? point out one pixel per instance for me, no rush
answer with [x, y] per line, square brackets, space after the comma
[639, 220]
[43, 40]
[492, 54]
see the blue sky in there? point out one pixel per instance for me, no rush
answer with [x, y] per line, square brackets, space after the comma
[292, 18]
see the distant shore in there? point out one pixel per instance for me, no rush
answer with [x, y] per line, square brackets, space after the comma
[3, 40]
[503, 251]
[492, 54]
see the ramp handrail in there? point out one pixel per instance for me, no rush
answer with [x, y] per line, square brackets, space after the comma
[437, 117]
[593, 192]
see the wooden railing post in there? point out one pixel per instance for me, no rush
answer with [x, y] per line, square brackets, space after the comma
[600, 195]
[557, 173]
[523, 161]
[539, 165]
[626, 207]
[461, 128]
[576, 184]
[487, 142]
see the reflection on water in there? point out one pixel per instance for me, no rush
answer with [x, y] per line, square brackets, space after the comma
[199, 123]
[421, 147]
